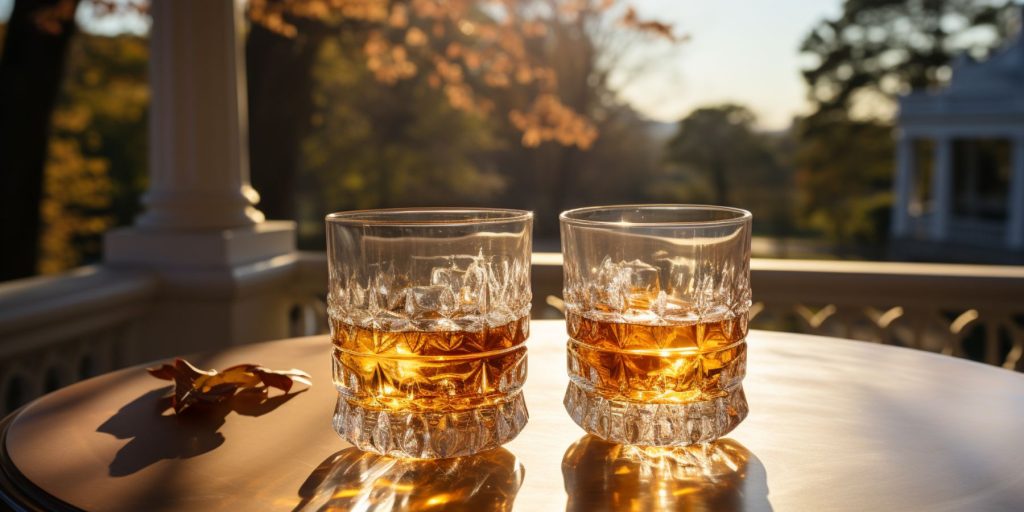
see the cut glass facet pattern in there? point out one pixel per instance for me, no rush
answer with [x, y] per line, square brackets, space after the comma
[431, 370]
[656, 311]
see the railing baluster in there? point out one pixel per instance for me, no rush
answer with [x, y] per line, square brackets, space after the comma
[1015, 358]
[992, 343]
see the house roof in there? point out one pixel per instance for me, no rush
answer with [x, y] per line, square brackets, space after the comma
[988, 91]
[1002, 74]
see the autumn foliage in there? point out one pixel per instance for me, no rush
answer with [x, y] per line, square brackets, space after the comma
[487, 71]
[407, 38]
[467, 48]
[403, 40]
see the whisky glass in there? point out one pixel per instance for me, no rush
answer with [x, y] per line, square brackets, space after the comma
[429, 314]
[656, 311]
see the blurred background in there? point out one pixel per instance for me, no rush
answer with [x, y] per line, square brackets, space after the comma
[879, 144]
[786, 108]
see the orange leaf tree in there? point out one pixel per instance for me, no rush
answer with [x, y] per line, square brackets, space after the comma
[468, 48]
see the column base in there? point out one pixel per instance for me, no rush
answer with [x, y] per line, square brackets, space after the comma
[218, 287]
[144, 247]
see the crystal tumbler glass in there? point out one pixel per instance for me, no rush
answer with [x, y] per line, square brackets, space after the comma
[656, 310]
[429, 313]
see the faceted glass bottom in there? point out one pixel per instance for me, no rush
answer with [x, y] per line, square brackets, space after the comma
[431, 435]
[654, 424]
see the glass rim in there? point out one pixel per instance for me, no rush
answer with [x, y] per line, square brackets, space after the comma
[741, 216]
[460, 216]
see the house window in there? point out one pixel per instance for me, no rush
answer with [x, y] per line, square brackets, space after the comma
[981, 179]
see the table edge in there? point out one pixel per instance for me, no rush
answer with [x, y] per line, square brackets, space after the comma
[16, 490]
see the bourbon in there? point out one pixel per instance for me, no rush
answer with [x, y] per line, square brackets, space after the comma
[430, 393]
[645, 383]
[657, 363]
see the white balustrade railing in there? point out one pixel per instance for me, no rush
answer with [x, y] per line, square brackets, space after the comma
[973, 311]
[309, 302]
[57, 330]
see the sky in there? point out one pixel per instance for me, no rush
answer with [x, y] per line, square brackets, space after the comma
[740, 51]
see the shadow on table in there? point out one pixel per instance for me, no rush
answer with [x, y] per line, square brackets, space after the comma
[723, 476]
[156, 433]
[356, 480]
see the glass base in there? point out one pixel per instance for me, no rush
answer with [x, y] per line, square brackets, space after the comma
[650, 424]
[431, 435]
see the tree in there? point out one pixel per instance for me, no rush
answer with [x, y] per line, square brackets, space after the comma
[719, 144]
[473, 52]
[399, 41]
[585, 46]
[844, 175]
[403, 143]
[35, 44]
[280, 66]
[717, 156]
[374, 145]
[96, 164]
[887, 47]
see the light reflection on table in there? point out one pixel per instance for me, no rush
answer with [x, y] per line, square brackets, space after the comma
[355, 480]
[604, 476]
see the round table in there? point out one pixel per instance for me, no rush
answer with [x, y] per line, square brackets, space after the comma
[833, 425]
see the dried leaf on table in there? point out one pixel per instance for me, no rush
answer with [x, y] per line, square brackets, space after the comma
[193, 385]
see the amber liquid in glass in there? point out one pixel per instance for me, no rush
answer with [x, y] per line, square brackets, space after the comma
[657, 363]
[429, 370]
[656, 383]
[451, 391]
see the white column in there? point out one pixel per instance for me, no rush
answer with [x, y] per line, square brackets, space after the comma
[1015, 201]
[942, 188]
[199, 164]
[902, 185]
[225, 274]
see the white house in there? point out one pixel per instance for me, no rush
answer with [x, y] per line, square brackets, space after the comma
[959, 184]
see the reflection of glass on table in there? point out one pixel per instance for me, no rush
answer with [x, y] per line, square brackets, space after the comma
[606, 476]
[355, 480]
